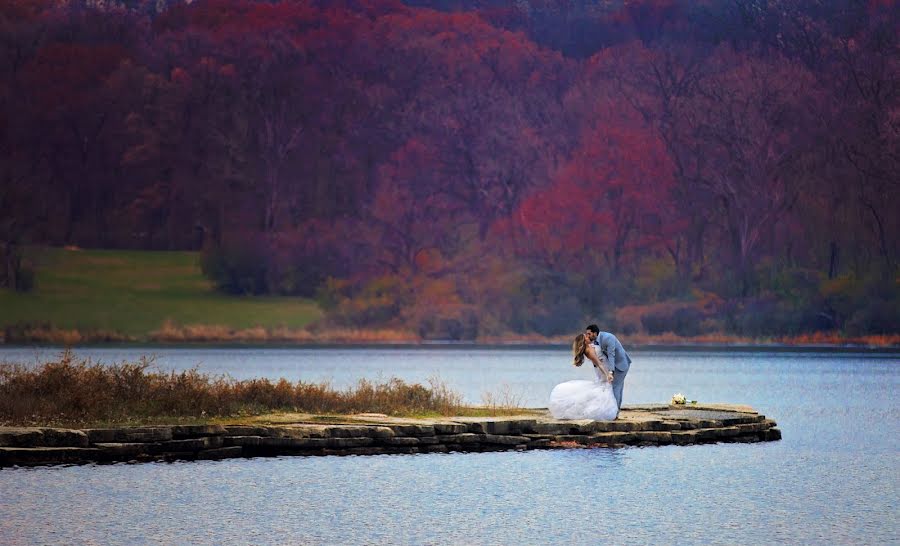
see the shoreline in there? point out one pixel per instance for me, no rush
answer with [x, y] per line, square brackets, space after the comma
[461, 345]
[378, 434]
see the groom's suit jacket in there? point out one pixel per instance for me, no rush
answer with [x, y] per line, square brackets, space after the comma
[612, 349]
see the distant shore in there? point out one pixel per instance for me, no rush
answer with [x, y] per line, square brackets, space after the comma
[215, 335]
[101, 297]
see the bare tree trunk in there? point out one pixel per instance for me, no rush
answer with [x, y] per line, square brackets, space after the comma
[832, 260]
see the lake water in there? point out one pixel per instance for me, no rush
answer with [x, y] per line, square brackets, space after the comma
[835, 476]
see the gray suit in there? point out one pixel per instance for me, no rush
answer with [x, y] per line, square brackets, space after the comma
[616, 358]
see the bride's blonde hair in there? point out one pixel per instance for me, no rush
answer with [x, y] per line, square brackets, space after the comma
[578, 348]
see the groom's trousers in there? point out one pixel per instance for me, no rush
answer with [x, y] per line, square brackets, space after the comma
[618, 383]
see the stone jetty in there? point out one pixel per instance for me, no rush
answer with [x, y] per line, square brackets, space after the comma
[371, 434]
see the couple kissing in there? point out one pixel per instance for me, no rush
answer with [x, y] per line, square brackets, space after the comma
[600, 399]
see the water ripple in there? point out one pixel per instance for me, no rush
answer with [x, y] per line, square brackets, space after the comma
[833, 478]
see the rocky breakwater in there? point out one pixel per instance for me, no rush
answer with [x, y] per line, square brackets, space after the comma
[371, 434]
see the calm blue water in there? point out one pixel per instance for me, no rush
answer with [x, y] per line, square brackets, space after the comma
[833, 478]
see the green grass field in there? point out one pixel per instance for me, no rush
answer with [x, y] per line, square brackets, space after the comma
[134, 292]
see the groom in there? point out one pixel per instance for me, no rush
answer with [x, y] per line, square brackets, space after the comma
[616, 358]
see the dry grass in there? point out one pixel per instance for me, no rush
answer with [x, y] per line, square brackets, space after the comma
[211, 333]
[44, 334]
[504, 401]
[831, 338]
[77, 392]
[173, 333]
[670, 338]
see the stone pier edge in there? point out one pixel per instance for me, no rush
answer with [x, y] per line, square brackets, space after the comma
[637, 426]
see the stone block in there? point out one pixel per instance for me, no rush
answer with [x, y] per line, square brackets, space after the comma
[582, 439]
[500, 439]
[496, 427]
[360, 432]
[475, 427]
[352, 431]
[700, 423]
[412, 450]
[413, 430]
[145, 434]
[241, 430]
[450, 428]
[621, 426]
[191, 445]
[552, 428]
[464, 438]
[181, 432]
[401, 441]
[349, 442]
[365, 451]
[294, 443]
[177, 456]
[728, 432]
[10, 456]
[230, 441]
[524, 425]
[61, 437]
[509, 426]
[773, 434]
[121, 452]
[533, 437]
[706, 434]
[656, 437]
[684, 437]
[741, 419]
[598, 426]
[303, 431]
[613, 437]
[220, 453]
[751, 427]
[102, 435]
[435, 449]
[42, 437]
[21, 437]
[129, 435]
[656, 425]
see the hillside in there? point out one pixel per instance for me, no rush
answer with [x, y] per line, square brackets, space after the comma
[134, 293]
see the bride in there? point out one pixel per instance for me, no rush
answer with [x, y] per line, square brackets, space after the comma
[580, 399]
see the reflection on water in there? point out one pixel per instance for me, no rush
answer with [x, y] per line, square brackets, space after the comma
[833, 478]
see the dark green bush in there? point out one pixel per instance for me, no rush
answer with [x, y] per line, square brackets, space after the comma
[16, 273]
[683, 321]
[768, 317]
[238, 267]
[880, 317]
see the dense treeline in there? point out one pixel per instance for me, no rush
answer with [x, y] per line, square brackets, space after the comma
[475, 167]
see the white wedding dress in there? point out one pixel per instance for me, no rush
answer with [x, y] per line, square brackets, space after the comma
[580, 399]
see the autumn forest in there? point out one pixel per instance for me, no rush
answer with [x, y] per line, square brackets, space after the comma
[473, 168]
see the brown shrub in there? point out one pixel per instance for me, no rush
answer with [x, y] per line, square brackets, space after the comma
[170, 332]
[77, 392]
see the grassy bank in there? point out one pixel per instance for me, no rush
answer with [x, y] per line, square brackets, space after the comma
[96, 296]
[100, 295]
[74, 392]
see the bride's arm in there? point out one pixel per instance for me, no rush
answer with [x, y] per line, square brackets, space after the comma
[592, 356]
